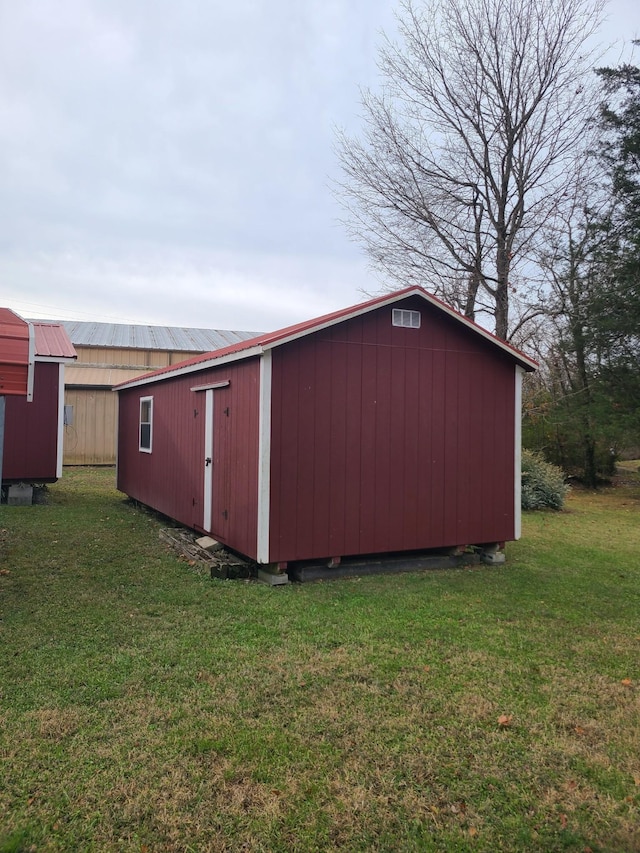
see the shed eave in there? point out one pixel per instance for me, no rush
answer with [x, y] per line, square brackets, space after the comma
[55, 359]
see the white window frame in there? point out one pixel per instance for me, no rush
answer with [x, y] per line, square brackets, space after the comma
[406, 318]
[141, 448]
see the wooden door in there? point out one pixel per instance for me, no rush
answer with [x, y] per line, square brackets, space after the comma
[217, 485]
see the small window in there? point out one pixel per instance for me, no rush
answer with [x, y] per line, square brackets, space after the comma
[408, 319]
[146, 423]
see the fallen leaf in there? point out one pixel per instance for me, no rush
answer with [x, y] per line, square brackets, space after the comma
[636, 779]
[563, 821]
[627, 682]
[427, 668]
[472, 831]
[572, 784]
[5, 571]
[578, 730]
[504, 720]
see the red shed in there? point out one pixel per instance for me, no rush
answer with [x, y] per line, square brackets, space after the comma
[34, 416]
[393, 425]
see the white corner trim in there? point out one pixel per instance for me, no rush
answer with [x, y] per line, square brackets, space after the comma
[32, 362]
[517, 473]
[264, 459]
[60, 442]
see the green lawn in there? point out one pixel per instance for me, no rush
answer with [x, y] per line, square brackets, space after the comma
[146, 707]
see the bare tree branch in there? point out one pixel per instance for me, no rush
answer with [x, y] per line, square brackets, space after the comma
[465, 152]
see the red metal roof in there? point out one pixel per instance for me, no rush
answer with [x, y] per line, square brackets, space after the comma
[14, 354]
[52, 341]
[254, 346]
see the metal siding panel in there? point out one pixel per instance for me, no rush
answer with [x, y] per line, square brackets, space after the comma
[14, 354]
[52, 341]
[117, 335]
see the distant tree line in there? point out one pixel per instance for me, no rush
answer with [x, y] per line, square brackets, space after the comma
[498, 171]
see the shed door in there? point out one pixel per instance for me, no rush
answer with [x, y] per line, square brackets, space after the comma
[217, 486]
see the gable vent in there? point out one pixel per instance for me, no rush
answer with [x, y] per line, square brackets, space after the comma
[408, 319]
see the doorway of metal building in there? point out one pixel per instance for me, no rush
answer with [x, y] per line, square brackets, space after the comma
[216, 463]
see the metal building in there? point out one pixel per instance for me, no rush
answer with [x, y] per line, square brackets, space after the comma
[393, 425]
[109, 353]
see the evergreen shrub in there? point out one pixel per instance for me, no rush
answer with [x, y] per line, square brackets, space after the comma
[543, 485]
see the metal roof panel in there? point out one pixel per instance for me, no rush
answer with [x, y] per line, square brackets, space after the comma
[170, 338]
[14, 354]
[52, 341]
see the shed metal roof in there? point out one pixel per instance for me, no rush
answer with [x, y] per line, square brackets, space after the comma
[52, 341]
[16, 355]
[170, 338]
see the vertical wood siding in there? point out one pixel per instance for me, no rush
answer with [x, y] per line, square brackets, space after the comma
[387, 439]
[31, 430]
[171, 478]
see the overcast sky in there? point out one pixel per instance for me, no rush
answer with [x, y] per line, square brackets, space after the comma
[169, 162]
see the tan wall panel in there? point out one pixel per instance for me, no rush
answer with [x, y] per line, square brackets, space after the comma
[113, 357]
[91, 439]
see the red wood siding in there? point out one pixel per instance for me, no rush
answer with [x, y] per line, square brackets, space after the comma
[171, 478]
[31, 430]
[387, 439]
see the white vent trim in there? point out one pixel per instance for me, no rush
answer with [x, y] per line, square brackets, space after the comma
[406, 318]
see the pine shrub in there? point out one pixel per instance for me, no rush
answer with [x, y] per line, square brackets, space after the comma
[543, 485]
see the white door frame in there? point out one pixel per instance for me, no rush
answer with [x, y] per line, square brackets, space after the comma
[208, 459]
[207, 467]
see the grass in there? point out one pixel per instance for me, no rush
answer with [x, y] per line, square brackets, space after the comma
[145, 707]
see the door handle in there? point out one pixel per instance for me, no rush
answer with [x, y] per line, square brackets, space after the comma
[207, 461]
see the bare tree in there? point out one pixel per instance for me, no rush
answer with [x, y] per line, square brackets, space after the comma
[469, 143]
